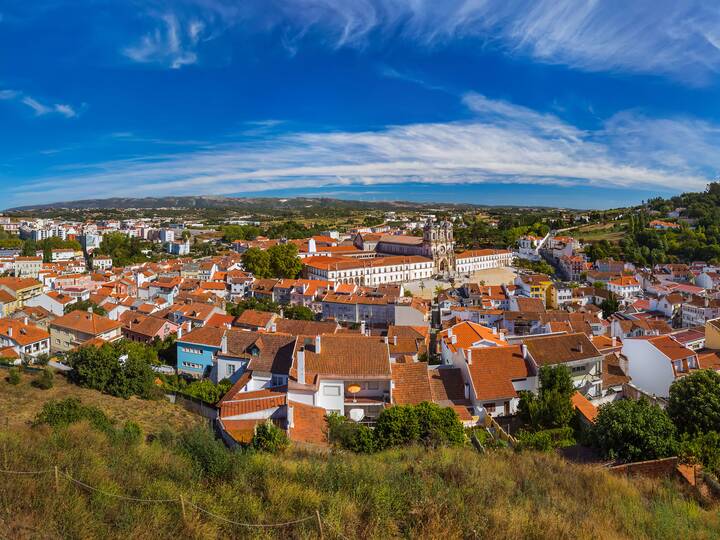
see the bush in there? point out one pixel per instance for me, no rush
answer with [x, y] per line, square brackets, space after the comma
[206, 390]
[45, 380]
[397, 426]
[42, 359]
[439, 426]
[350, 435]
[62, 413]
[209, 455]
[14, 376]
[130, 434]
[545, 440]
[703, 449]
[633, 431]
[552, 407]
[269, 438]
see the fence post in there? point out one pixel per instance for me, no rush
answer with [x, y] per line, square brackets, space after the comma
[57, 479]
[319, 521]
[182, 507]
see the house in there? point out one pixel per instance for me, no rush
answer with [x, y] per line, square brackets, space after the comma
[494, 376]
[145, 328]
[195, 313]
[624, 287]
[454, 341]
[252, 319]
[101, 263]
[663, 225]
[22, 289]
[697, 310]
[654, 363]
[26, 341]
[416, 382]
[78, 327]
[53, 301]
[28, 267]
[346, 374]
[575, 351]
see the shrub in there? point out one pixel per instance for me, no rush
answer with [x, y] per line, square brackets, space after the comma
[439, 426]
[42, 359]
[350, 435]
[45, 380]
[209, 455]
[397, 426]
[130, 434]
[694, 404]
[206, 390]
[545, 440]
[703, 449]
[14, 376]
[64, 412]
[269, 438]
[552, 407]
[633, 431]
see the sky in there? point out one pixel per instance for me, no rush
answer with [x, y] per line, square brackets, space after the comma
[582, 104]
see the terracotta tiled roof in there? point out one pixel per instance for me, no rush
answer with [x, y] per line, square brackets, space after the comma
[411, 383]
[87, 323]
[492, 370]
[584, 407]
[305, 328]
[255, 401]
[344, 355]
[612, 372]
[309, 424]
[251, 318]
[561, 348]
[468, 333]
[205, 335]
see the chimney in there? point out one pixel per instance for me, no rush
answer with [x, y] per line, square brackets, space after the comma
[450, 333]
[394, 340]
[317, 344]
[386, 340]
[524, 351]
[223, 344]
[580, 348]
[614, 341]
[25, 321]
[301, 365]
[453, 339]
[362, 327]
[179, 332]
[494, 330]
[273, 328]
[10, 329]
[469, 357]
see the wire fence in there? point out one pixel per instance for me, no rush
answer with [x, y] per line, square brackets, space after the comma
[184, 503]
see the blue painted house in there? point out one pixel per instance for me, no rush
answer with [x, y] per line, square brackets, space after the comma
[196, 350]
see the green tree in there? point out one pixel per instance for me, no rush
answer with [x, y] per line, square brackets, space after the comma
[86, 305]
[257, 262]
[396, 426]
[439, 426]
[45, 380]
[610, 305]
[284, 261]
[694, 404]
[300, 313]
[239, 232]
[633, 431]
[551, 407]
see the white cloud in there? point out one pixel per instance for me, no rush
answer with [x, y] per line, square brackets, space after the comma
[66, 110]
[169, 43]
[40, 109]
[681, 39]
[8, 94]
[36, 106]
[503, 143]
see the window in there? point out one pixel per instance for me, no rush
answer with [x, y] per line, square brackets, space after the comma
[578, 369]
[331, 390]
[489, 407]
[230, 369]
[373, 385]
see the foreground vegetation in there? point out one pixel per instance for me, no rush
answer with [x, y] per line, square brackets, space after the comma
[410, 492]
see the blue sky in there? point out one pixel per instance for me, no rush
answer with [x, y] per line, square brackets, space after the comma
[548, 102]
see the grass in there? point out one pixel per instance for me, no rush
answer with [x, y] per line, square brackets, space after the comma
[19, 405]
[612, 232]
[413, 492]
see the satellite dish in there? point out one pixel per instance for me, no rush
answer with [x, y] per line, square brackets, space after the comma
[357, 414]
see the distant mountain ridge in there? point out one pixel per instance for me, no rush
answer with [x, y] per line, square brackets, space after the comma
[238, 203]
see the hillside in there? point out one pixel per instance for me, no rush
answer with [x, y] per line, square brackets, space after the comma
[413, 492]
[250, 204]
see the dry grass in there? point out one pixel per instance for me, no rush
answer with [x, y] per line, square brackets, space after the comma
[19, 405]
[599, 231]
[414, 492]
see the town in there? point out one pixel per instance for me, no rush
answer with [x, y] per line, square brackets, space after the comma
[351, 322]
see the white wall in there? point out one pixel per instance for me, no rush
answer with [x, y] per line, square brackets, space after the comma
[649, 369]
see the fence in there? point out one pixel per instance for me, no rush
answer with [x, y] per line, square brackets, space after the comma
[185, 504]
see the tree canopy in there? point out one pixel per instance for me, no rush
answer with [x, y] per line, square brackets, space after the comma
[694, 404]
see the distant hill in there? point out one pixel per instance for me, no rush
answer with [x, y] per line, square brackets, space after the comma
[249, 204]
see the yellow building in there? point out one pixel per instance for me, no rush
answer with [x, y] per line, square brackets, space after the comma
[21, 289]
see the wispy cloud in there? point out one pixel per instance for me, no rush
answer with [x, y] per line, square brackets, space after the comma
[503, 143]
[680, 39]
[39, 108]
[172, 43]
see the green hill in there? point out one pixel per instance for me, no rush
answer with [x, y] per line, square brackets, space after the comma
[412, 492]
